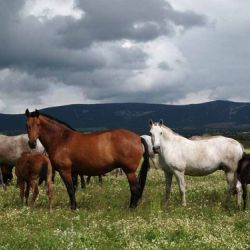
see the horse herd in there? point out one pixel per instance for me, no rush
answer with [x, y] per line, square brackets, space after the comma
[52, 145]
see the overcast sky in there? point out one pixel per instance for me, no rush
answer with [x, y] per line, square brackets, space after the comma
[55, 52]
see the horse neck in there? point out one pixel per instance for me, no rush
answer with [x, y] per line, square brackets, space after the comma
[168, 134]
[51, 133]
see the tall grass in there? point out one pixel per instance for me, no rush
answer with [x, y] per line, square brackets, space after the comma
[103, 220]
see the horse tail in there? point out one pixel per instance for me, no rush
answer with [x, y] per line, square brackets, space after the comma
[145, 167]
[43, 173]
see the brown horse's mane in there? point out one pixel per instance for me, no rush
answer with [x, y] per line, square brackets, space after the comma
[68, 126]
[33, 114]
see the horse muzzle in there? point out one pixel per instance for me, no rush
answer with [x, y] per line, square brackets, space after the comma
[157, 149]
[32, 144]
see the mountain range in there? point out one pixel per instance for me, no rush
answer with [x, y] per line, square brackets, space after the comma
[187, 119]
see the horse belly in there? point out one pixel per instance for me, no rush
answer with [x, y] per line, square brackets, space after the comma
[92, 169]
[8, 157]
[203, 164]
[201, 170]
[93, 164]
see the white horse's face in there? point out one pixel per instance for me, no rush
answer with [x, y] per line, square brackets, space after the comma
[156, 134]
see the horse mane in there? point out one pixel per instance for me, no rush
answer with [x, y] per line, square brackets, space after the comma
[58, 121]
[33, 114]
[169, 130]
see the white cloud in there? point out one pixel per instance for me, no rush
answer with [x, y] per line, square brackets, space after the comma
[61, 94]
[26, 91]
[48, 9]
[165, 65]
[194, 98]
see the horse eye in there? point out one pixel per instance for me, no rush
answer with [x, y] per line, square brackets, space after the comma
[161, 133]
[150, 133]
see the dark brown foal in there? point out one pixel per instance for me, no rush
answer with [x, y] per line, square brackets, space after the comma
[28, 169]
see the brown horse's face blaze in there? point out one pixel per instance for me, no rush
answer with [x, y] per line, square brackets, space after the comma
[33, 129]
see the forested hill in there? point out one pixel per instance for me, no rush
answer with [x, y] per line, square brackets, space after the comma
[135, 116]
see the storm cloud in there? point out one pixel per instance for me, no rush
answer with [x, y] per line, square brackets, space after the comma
[108, 51]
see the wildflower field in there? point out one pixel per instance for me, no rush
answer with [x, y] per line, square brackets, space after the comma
[103, 220]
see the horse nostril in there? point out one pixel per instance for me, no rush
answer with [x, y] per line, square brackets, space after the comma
[32, 144]
[156, 149]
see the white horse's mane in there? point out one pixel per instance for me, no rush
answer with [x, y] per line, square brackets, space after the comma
[166, 131]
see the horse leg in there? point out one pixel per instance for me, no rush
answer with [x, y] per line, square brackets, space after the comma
[1, 179]
[75, 181]
[35, 191]
[239, 192]
[168, 178]
[53, 175]
[231, 181]
[49, 192]
[134, 189]
[21, 185]
[245, 196]
[100, 179]
[83, 184]
[88, 179]
[27, 192]
[67, 179]
[182, 186]
[118, 171]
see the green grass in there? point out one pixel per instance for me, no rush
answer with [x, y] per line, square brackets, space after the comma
[103, 220]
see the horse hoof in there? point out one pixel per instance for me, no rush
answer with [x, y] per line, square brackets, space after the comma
[166, 204]
[73, 207]
[133, 206]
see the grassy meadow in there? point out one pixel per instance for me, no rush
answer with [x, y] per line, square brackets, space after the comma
[103, 220]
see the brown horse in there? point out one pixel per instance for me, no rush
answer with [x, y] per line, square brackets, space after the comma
[72, 152]
[29, 167]
[243, 173]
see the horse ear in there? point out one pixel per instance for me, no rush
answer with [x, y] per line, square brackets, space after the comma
[27, 113]
[151, 122]
[161, 122]
[36, 113]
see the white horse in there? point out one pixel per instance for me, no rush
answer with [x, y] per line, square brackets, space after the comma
[153, 157]
[11, 148]
[180, 156]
